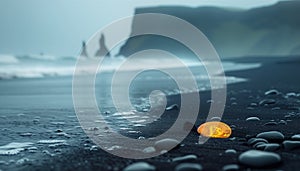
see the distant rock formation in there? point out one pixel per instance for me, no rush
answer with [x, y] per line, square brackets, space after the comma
[266, 31]
[83, 50]
[103, 51]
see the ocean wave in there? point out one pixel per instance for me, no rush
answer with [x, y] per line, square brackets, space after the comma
[8, 59]
[40, 66]
[43, 57]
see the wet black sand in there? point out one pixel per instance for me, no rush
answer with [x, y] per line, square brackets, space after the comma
[276, 73]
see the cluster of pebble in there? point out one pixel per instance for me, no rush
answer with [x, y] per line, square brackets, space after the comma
[263, 155]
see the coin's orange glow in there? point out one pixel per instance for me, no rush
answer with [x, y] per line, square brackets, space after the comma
[214, 130]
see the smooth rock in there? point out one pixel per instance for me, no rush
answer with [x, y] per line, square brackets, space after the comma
[276, 108]
[230, 151]
[271, 136]
[216, 118]
[291, 94]
[271, 92]
[189, 167]
[166, 144]
[233, 103]
[258, 144]
[149, 150]
[253, 119]
[253, 141]
[270, 124]
[172, 107]
[209, 101]
[291, 145]
[58, 130]
[267, 102]
[140, 166]
[94, 148]
[253, 104]
[232, 99]
[268, 147]
[185, 158]
[255, 158]
[282, 122]
[231, 167]
[296, 137]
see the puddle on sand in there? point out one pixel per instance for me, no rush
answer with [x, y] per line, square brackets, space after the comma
[51, 141]
[14, 148]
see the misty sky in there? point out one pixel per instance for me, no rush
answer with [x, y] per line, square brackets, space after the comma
[57, 27]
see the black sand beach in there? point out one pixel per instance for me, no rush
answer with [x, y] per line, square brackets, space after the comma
[244, 100]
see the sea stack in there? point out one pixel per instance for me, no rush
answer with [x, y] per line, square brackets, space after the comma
[103, 51]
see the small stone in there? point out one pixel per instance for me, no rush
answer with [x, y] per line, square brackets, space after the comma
[232, 127]
[140, 166]
[271, 136]
[267, 102]
[94, 148]
[185, 158]
[255, 158]
[21, 114]
[209, 101]
[230, 151]
[149, 150]
[163, 151]
[35, 121]
[296, 137]
[58, 150]
[258, 144]
[58, 130]
[172, 107]
[233, 103]
[166, 144]
[271, 92]
[253, 141]
[253, 119]
[292, 94]
[275, 108]
[231, 167]
[291, 145]
[253, 104]
[216, 118]
[189, 167]
[282, 122]
[270, 124]
[268, 147]
[232, 99]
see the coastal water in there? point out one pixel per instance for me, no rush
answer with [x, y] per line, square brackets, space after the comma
[37, 119]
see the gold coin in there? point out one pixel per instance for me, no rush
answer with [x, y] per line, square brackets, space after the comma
[214, 130]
